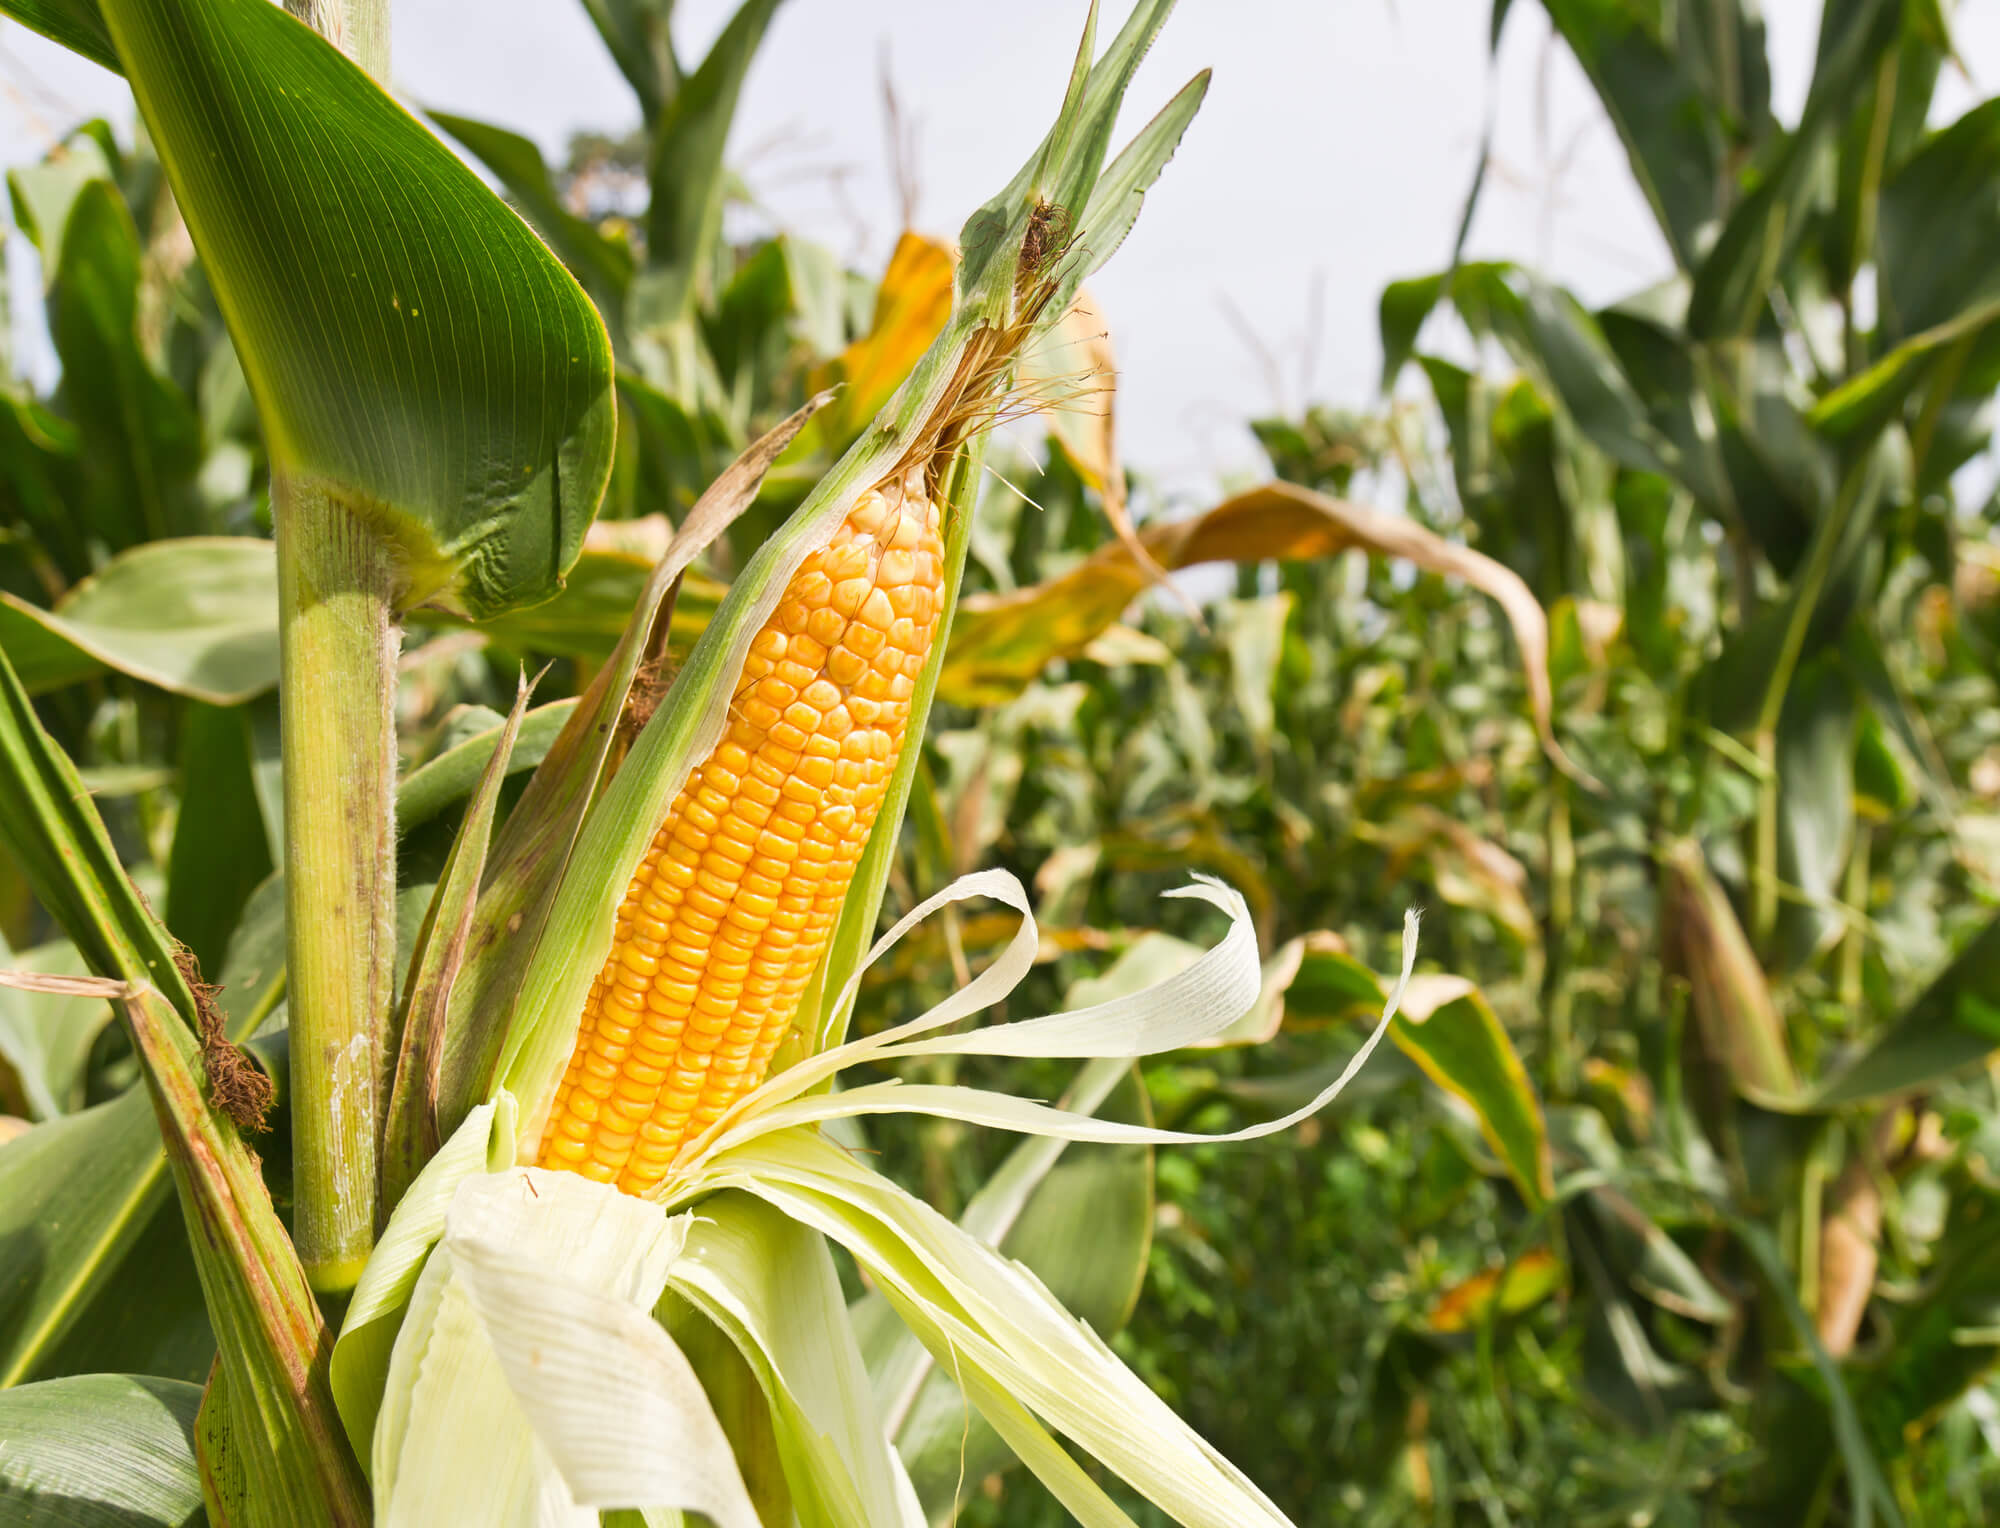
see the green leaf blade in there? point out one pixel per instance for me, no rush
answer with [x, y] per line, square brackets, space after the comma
[408, 339]
[101, 1451]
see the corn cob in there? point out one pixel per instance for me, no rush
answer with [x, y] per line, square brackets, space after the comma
[728, 913]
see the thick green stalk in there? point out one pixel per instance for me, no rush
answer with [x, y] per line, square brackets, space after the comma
[339, 644]
[359, 28]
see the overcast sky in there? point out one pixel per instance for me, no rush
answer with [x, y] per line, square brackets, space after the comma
[1332, 156]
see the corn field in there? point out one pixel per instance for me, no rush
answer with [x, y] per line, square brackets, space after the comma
[636, 886]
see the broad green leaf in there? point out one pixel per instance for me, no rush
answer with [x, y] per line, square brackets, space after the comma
[602, 262]
[668, 450]
[147, 1317]
[748, 332]
[1815, 760]
[45, 1039]
[1563, 345]
[1733, 280]
[100, 1451]
[641, 40]
[819, 293]
[220, 852]
[1672, 131]
[139, 436]
[684, 219]
[1934, 226]
[1935, 292]
[1448, 1028]
[1866, 400]
[42, 477]
[75, 1194]
[76, 24]
[410, 343]
[1884, 124]
[197, 616]
[1953, 1023]
[1400, 315]
[44, 194]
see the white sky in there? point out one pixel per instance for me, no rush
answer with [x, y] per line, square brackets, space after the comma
[1331, 157]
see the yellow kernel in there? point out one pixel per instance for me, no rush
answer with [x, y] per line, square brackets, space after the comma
[776, 691]
[844, 666]
[844, 563]
[877, 610]
[850, 593]
[898, 566]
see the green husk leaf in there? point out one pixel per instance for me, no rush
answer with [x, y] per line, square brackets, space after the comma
[410, 1135]
[361, 1356]
[998, 1329]
[770, 1284]
[530, 1373]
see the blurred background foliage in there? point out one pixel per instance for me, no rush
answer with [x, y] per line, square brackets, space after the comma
[1677, 1199]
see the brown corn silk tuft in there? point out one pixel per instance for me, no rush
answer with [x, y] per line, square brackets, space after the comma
[729, 912]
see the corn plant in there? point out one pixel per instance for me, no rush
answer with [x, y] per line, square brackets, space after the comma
[564, 1250]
